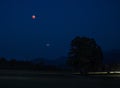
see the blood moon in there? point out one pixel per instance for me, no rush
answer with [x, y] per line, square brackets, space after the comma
[33, 16]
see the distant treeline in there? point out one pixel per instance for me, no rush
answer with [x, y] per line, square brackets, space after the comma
[85, 55]
[26, 65]
[13, 64]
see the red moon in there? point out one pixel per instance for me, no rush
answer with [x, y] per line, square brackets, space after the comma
[33, 16]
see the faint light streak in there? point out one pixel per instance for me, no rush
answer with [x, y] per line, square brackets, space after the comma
[115, 72]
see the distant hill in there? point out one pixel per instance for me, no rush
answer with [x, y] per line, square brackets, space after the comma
[61, 61]
[112, 56]
[58, 62]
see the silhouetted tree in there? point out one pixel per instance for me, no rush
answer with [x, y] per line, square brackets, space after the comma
[85, 55]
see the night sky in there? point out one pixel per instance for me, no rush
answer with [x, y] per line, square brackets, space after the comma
[57, 22]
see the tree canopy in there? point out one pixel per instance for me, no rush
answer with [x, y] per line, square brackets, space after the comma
[84, 54]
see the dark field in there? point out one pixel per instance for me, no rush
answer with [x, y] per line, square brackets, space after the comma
[27, 79]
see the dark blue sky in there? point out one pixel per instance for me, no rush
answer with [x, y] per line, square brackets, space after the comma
[57, 23]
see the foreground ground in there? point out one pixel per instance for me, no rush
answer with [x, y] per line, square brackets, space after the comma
[54, 81]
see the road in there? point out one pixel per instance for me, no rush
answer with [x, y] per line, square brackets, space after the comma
[55, 81]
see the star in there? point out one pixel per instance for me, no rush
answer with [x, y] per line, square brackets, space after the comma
[47, 44]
